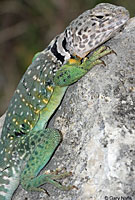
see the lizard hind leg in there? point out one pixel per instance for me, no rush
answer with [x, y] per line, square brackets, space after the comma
[46, 142]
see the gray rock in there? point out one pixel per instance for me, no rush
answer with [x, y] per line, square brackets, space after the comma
[97, 119]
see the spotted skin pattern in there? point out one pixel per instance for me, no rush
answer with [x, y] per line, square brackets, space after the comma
[26, 143]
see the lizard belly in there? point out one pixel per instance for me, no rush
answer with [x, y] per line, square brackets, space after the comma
[53, 103]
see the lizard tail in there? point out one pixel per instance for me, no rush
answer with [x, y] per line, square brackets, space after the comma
[9, 178]
[9, 181]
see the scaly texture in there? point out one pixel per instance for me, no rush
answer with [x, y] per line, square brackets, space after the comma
[26, 144]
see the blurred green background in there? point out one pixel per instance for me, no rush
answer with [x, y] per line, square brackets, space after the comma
[27, 26]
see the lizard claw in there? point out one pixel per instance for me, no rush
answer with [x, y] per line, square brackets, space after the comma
[102, 62]
[45, 191]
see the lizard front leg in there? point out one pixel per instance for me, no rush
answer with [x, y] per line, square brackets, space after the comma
[43, 143]
[71, 72]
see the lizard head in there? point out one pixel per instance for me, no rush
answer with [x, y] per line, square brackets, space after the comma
[94, 27]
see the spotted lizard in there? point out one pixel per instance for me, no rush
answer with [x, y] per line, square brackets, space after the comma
[26, 143]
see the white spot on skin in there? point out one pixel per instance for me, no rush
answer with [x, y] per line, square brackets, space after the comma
[33, 97]
[27, 89]
[25, 83]
[37, 59]
[17, 91]
[3, 193]
[13, 112]
[5, 178]
[6, 170]
[21, 113]
[38, 67]
[34, 77]
[1, 152]
[20, 106]
[29, 72]
[28, 113]
[13, 170]
[43, 52]
[20, 95]
[44, 69]
[15, 100]
[38, 80]
[34, 89]
[11, 141]
[9, 114]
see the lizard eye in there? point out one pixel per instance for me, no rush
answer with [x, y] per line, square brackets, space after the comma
[99, 16]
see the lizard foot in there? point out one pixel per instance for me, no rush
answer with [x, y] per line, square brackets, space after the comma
[56, 175]
[95, 58]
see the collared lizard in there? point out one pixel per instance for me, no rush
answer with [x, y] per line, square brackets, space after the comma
[26, 143]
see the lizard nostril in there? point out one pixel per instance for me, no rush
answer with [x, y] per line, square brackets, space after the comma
[94, 24]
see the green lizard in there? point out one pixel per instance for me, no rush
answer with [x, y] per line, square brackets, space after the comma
[26, 143]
